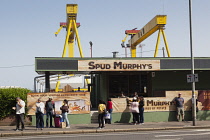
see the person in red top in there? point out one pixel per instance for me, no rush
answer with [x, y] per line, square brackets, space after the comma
[109, 109]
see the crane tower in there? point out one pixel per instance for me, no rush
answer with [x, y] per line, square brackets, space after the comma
[72, 31]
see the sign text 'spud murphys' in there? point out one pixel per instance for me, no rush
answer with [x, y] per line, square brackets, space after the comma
[118, 65]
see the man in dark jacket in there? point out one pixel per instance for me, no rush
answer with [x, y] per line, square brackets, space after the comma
[141, 109]
[50, 109]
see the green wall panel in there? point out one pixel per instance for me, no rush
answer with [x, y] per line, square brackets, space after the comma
[103, 87]
[177, 80]
[170, 80]
[73, 119]
[127, 117]
[203, 115]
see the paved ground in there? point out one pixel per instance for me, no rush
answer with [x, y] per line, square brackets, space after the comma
[182, 134]
[6, 131]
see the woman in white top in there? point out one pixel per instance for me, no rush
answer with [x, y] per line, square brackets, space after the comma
[39, 114]
[135, 110]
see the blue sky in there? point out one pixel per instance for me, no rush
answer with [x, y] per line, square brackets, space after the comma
[27, 31]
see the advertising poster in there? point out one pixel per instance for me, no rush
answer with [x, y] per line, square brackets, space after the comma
[79, 102]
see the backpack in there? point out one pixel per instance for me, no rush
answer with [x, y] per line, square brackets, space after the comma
[65, 108]
[102, 108]
[50, 105]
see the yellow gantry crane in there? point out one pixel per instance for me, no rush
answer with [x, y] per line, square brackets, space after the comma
[130, 33]
[137, 36]
[72, 33]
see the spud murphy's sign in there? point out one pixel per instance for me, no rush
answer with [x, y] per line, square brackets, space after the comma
[118, 65]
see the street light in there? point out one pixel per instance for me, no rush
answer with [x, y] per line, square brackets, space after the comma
[192, 66]
[163, 51]
[141, 46]
[91, 50]
[127, 46]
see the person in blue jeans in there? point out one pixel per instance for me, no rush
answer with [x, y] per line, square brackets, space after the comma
[50, 108]
[39, 114]
[109, 109]
[65, 109]
[141, 110]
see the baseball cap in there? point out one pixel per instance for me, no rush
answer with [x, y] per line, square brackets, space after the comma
[50, 97]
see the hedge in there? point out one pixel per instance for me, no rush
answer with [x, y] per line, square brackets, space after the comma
[8, 99]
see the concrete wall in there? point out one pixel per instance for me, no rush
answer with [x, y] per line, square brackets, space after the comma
[11, 120]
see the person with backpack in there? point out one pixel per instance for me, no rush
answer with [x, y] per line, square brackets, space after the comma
[101, 113]
[65, 109]
[39, 114]
[50, 110]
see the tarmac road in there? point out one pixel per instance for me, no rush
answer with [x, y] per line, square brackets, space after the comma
[189, 134]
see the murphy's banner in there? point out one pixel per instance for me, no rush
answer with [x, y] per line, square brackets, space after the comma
[118, 65]
[152, 104]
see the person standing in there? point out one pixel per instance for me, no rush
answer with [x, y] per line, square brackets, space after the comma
[179, 102]
[135, 110]
[136, 95]
[20, 111]
[39, 114]
[101, 113]
[50, 109]
[109, 109]
[65, 109]
[141, 110]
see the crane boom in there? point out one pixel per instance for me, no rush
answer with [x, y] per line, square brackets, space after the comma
[157, 23]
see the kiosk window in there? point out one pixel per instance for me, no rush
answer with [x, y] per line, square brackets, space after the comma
[127, 84]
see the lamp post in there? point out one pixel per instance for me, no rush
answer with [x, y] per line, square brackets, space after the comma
[141, 46]
[127, 46]
[91, 50]
[192, 66]
[163, 51]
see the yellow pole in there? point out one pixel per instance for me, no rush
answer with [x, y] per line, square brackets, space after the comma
[71, 48]
[133, 51]
[67, 38]
[157, 44]
[57, 86]
[78, 39]
[166, 43]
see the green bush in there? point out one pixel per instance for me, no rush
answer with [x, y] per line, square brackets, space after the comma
[8, 99]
